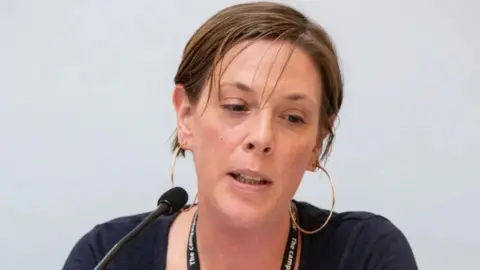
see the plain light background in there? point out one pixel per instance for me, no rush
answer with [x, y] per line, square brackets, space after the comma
[86, 115]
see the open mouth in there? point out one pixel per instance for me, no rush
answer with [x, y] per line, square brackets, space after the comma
[245, 179]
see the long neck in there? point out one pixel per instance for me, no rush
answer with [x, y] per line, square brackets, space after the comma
[222, 245]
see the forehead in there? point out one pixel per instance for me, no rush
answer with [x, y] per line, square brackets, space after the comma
[277, 67]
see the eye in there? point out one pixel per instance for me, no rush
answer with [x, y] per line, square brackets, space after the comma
[295, 119]
[235, 107]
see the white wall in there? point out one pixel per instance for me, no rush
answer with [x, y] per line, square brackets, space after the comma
[85, 118]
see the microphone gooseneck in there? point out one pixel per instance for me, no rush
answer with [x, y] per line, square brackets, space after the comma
[169, 203]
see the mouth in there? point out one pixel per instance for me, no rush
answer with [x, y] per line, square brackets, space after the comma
[245, 178]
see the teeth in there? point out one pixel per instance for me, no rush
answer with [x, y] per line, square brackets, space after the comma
[246, 177]
[250, 180]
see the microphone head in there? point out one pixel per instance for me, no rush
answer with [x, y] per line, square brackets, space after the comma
[175, 197]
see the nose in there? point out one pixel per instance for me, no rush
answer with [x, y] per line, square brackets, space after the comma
[260, 139]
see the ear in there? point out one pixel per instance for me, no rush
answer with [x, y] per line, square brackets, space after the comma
[323, 133]
[183, 109]
[317, 150]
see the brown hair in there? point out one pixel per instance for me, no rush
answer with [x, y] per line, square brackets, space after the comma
[254, 21]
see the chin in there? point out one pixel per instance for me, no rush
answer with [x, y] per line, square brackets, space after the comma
[244, 207]
[242, 215]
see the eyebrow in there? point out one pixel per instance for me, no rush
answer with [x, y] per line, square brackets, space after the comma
[246, 88]
[238, 85]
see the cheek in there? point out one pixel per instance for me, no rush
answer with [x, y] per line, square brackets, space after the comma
[296, 158]
[211, 137]
[209, 141]
[296, 150]
[213, 134]
[213, 143]
[292, 161]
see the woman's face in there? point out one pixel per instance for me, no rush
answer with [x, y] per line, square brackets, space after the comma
[253, 137]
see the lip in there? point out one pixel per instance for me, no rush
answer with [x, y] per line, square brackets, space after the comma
[252, 173]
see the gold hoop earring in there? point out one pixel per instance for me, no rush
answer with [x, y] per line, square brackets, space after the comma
[172, 175]
[292, 205]
[174, 161]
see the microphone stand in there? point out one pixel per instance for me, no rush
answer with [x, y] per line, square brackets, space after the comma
[163, 208]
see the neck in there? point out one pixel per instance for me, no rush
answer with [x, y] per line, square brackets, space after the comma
[222, 245]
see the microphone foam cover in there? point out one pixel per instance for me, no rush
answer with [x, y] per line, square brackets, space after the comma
[177, 197]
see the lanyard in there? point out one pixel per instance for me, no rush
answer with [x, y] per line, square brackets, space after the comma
[289, 256]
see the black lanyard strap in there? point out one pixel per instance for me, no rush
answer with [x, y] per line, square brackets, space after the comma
[289, 255]
[193, 261]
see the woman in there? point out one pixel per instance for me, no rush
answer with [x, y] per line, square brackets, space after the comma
[256, 96]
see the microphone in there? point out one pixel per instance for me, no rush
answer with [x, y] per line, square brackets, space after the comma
[169, 203]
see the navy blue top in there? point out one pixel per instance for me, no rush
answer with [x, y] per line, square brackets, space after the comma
[351, 241]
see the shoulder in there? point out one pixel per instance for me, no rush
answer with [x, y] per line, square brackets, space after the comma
[94, 244]
[357, 238]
